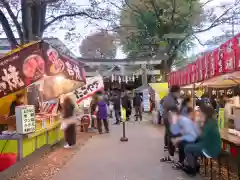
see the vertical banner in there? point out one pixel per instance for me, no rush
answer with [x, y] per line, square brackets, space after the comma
[197, 70]
[236, 47]
[201, 59]
[218, 61]
[221, 118]
[211, 65]
[206, 66]
[228, 56]
[146, 102]
[193, 78]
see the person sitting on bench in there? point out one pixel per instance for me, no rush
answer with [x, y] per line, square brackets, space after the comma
[209, 143]
[186, 132]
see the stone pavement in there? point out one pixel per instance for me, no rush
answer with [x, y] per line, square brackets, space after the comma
[104, 157]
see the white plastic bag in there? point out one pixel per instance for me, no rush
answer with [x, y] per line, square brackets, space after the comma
[63, 126]
[155, 117]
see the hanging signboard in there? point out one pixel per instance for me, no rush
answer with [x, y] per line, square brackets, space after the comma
[25, 66]
[93, 85]
[146, 102]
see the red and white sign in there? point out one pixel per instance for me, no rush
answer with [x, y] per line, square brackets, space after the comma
[93, 85]
[228, 56]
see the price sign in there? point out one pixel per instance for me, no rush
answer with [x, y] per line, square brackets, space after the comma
[25, 119]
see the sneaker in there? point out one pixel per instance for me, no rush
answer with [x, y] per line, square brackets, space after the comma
[167, 159]
[67, 146]
[190, 171]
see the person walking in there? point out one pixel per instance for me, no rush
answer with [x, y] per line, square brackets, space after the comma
[117, 107]
[126, 104]
[102, 115]
[137, 104]
[169, 102]
[69, 123]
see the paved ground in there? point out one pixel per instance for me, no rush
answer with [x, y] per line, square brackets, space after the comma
[104, 157]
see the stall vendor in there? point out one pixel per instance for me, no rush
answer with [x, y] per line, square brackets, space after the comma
[18, 102]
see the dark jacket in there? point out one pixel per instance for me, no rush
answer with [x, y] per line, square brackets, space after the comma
[102, 110]
[126, 103]
[68, 111]
[210, 140]
[137, 101]
[93, 106]
[116, 103]
[169, 102]
[12, 108]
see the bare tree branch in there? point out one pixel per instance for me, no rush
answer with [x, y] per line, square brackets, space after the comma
[71, 15]
[14, 19]
[8, 31]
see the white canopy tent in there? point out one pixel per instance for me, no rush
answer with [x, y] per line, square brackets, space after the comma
[223, 81]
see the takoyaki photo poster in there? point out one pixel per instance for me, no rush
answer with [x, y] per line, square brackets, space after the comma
[25, 119]
[59, 64]
[20, 69]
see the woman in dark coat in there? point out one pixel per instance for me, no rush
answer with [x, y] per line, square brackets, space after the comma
[70, 126]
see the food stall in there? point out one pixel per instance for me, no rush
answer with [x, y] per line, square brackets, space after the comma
[42, 74]
[216, 70]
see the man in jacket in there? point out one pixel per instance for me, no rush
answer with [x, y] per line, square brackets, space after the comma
[137, 104]
[117, 107]
[169, 102]
[126, 104]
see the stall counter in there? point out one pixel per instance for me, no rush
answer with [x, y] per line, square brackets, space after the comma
[24, 145]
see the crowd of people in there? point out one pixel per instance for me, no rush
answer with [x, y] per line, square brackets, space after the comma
[194, 132]
[102, 105]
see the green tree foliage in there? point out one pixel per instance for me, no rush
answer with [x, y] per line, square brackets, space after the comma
[152, 28]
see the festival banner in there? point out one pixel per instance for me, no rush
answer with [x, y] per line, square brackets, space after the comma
[62, 65]
[93, 85]
[201, 67]
[193, 77]
[228, 56]
[211, 65]
[20, 69]
[197, 70]
[206, 66]
[236, 47]
[221, 118]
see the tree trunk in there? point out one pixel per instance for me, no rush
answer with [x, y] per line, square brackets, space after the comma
[27, 20]
[8, 31]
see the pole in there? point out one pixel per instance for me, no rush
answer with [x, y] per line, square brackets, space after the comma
[123, 117]
[193, 95]
[124, 138]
